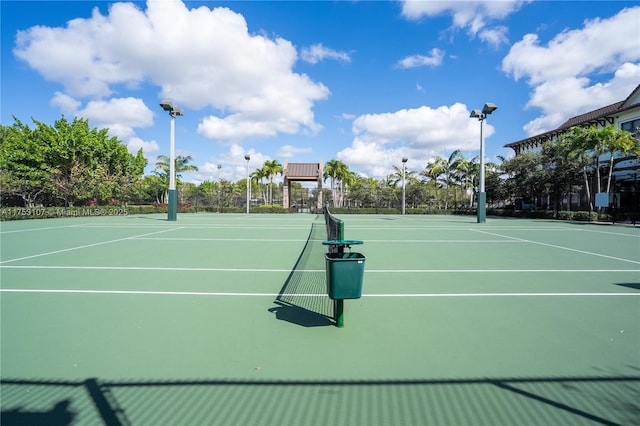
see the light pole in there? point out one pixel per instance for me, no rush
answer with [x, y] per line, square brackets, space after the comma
[219, 187]
[404, 169]
[172, 206]
[482, 196]
[247, 157]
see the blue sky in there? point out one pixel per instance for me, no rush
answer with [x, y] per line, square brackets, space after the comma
[365, 82]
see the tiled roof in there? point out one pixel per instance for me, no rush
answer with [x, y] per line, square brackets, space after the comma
[591, 116]
[303, 170]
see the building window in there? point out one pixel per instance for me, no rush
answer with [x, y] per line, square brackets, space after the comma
[632, 126]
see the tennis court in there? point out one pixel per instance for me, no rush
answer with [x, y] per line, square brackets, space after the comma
[224, 319]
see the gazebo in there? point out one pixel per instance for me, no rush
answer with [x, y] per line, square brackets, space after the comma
[301, 172]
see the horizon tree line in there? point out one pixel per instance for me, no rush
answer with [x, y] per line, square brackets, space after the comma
[70, 163]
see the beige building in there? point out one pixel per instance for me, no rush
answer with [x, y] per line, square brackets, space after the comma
[624, 115]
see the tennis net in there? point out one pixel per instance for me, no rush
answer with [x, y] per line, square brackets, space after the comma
[335, 228]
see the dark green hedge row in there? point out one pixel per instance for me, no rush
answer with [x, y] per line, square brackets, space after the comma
[16, 213]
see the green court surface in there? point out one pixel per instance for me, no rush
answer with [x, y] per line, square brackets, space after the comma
[224, 320]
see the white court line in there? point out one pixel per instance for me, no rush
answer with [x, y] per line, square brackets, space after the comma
[190, 226]
[611, 233]
[38, 229]
[266, 240]
[85, 246]
[203, 293]
[458, 228]
[153, 268]
[503, 241]
[367, 271]
[559, 247]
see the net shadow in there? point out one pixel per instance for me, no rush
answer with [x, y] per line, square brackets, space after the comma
[303, 298]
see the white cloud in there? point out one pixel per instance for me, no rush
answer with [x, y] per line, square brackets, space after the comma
[66, 103]
[425, 128]
[135, 144]
[600, 46]
[472, 15]
[233, 165]
[382, 139]
[198, 57]
[495, 36]
[290, 151]
[434, 59]
[118, 112]
[578, 70]
[318, 53]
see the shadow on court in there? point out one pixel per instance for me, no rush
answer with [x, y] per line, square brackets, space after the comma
[559, 400]
[303, 299]
[630, 285]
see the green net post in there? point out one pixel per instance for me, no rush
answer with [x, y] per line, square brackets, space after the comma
[339, 312]
[340, 234]
[172, 206]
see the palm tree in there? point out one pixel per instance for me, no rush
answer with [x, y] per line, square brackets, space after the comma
[348, 181]
[464, 171]
[258, 176]
[617, 141]
[181, 165]
[443, 171]
[338, 171]
[271, 168]
[433, 172]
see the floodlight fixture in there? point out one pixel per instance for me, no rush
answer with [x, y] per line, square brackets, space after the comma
[475, 113]
[166, 105]
[489, 108]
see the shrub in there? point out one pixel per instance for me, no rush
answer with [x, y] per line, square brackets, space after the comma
[585, 216]
[565, 215]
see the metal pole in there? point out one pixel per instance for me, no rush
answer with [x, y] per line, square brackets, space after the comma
[482, 196]
[172, 207]
[339, 312]
[404, 167]
[248, 184]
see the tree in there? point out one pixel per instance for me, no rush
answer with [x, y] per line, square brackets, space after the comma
[464, 171]
[588, 146]
[258, 177]
[23, 168]
[337, 171]
[433, 173]
[69, 161]
[209, 191]
[617, 141]
[443, 172]
[181, 165]
[564, 159]
[155, 188]
[271, 168]
[395, 179]
[526, 176]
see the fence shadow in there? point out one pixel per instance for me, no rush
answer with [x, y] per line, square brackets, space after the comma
[303, 298]
[548, 400]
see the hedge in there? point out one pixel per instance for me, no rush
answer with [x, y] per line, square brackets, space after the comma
[17, 213]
